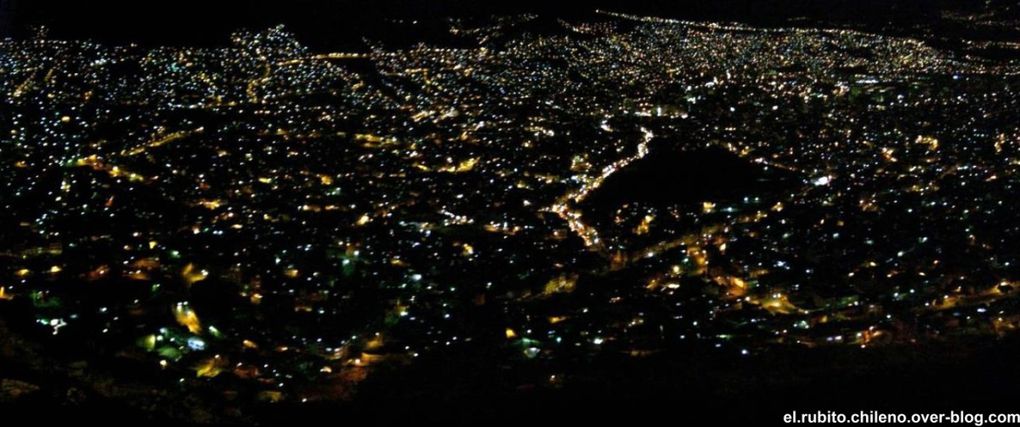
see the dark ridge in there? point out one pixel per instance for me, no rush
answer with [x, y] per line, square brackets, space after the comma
[461, 388]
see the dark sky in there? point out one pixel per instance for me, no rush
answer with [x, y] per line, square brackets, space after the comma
[196, 20]
[191, 21]
[6, 16]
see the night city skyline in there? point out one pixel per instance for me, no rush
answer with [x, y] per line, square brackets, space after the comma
[264, 212]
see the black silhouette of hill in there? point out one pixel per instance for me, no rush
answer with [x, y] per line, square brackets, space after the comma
[669, 176]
